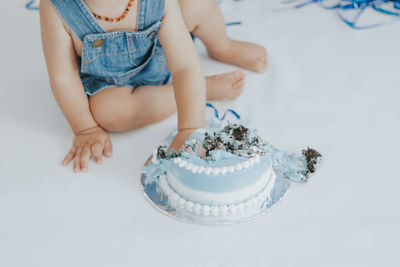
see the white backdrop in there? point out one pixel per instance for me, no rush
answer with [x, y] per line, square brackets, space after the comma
[330, 87]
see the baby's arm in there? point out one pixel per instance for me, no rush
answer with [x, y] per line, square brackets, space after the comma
[68, 90]
[187, 74]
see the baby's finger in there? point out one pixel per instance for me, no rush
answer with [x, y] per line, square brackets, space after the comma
[69, 157]
[84, 159]
[76, 160]
[108, 148]
[97, 150]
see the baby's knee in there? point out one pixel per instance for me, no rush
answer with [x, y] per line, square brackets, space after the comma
[102, 115]
[109, 116]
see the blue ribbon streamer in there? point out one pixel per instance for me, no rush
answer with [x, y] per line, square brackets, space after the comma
[233, 23]
[216, 113]
[30, 5]
[343, 6]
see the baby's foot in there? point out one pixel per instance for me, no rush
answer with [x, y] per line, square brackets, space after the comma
[243, 54]
[225, 86]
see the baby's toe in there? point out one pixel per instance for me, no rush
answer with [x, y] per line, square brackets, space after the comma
[260, 65]
[237, 89]
[237, 76]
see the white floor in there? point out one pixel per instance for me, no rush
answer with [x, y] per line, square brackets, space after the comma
[330, 87]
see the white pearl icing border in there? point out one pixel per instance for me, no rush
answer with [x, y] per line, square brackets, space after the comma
[216, 171]
[207, 210]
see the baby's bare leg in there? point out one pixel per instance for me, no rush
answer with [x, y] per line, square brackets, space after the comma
[204, 19]
[119, 109]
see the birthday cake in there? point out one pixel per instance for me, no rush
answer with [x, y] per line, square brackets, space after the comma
[224, 172]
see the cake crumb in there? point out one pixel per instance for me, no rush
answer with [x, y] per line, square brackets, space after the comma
[312, 157]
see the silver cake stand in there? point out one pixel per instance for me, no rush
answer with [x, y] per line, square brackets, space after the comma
[160, 202]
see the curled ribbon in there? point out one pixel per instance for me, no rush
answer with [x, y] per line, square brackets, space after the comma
[386, 7]
[216, 113]
[30, 5]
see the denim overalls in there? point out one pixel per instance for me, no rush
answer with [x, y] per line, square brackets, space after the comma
[118, 58]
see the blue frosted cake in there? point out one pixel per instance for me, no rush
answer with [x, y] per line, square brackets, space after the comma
[224, 172]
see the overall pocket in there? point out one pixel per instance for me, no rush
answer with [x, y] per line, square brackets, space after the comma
[141, 43]
[121, 79]
[106, 54]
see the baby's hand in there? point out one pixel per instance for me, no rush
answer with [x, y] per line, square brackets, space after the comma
[93, 141]
[180, 139]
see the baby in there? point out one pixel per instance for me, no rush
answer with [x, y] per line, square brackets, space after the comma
[109, 64]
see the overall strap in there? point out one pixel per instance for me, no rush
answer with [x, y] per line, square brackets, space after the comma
[149, 12]
[77, 15]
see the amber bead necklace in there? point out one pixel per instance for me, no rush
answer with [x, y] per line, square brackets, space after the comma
[126, 11]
